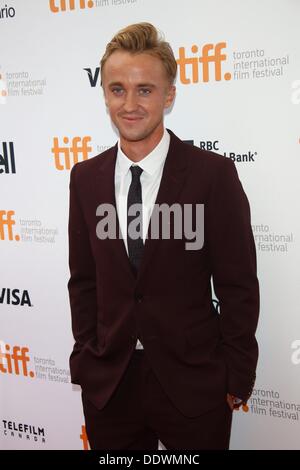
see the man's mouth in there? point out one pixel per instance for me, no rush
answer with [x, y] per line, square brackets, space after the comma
[132, 118]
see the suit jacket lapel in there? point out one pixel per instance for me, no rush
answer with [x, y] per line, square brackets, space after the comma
[172, 181]
[105, 193]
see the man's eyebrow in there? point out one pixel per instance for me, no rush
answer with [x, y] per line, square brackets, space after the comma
[115, 84]
[146, 85]
[140, 85]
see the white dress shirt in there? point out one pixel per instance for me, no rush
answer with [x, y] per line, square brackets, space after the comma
[152, 166]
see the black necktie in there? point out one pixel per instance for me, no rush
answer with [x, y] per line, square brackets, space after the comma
[135, 245]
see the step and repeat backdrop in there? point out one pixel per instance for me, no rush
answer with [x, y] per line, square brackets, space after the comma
[238, 94]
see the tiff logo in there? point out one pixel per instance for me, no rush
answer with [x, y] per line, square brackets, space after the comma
[79, 147]
[3, 90]
[7, 158]
[84, 438]
[63, 5]
[211, 54]
[6, 221]
[15, 361]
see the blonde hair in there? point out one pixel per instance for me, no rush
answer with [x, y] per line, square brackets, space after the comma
[142, 37]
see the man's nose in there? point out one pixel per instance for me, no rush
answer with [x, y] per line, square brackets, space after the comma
[131, 102]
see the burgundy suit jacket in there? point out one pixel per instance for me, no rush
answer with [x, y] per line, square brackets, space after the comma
[197, 354]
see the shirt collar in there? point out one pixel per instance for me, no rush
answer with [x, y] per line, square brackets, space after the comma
[151, 162]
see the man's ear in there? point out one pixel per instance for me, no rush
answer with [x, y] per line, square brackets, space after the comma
[171, 93]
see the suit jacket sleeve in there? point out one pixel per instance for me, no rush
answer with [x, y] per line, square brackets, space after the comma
[82, 282]
[233, 263]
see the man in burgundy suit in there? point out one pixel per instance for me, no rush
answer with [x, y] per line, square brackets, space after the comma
[154, 358]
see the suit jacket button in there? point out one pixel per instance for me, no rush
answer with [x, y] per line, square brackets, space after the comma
[139, 298]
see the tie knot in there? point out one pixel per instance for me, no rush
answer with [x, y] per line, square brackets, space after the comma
[136, 171]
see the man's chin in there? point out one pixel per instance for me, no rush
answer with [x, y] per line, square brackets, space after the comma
[133, 136]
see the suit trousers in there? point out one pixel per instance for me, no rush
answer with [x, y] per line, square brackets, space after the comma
[139, 414]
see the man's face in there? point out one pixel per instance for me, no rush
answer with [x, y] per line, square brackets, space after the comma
[136, 91]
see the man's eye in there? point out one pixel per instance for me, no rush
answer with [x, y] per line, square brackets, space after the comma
[145, 91]
[117, 91]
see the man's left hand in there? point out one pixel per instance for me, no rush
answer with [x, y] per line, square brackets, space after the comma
[234, 402]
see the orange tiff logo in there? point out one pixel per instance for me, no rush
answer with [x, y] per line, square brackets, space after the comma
[14, 360]
[200, 64]
[63, 5]
[84, 438]
[6, 226]
[62, 153]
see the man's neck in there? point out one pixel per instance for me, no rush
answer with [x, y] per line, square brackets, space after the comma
[137, 150]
